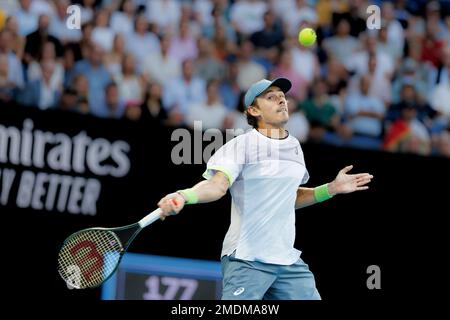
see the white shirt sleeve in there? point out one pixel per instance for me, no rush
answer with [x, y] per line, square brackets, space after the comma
[229, 159]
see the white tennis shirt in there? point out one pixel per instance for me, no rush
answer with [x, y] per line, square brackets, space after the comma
[264, 175]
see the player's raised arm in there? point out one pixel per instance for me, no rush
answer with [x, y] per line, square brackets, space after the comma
[343, 183]
[205, 191]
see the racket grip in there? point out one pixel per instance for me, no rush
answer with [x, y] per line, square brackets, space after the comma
[150, 218]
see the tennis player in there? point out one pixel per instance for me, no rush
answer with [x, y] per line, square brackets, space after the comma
[263, 169]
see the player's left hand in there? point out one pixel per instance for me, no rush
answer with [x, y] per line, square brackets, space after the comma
[346, 183]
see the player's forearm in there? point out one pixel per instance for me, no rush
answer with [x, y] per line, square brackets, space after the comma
[305, 197]
[310, 196]
[205, 191]
[209, 191]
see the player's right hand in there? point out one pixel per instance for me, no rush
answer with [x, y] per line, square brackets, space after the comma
[171, 204]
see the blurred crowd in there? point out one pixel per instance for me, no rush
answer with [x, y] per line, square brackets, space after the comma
[180, 61]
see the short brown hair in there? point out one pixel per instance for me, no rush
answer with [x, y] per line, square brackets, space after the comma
[252, 120]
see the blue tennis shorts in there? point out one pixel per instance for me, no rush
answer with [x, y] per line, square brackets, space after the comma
[253, 280]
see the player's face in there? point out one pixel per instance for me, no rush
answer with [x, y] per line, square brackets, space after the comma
[272, 107]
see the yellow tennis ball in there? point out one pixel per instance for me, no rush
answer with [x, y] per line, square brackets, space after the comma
[307, 37]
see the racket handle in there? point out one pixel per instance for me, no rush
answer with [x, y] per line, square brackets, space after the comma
[150, 218]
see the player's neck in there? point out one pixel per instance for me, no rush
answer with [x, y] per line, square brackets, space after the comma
[272, 131]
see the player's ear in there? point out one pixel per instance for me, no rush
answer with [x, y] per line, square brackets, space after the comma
[253, 111]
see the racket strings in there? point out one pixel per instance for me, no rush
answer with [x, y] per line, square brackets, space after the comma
[89, 257]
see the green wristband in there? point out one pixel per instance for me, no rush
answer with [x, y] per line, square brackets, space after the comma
[321, 193]
[189, 195]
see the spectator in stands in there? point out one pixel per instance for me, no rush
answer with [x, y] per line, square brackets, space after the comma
[132, 110]
[206, 65]
[380, 86]
[87, 11]
[113, 59]
[58, 27]
[28, 21]
[122, 21]
[188, 16]
[161, 66]
[305, 60]
[202, 10]
[141, 43]
[433, 121]
[184, 45]
[219, 22]
[223, 45]
[237, 119]
[432, 45]
[41, 92]
[47, 54]
[35, 41]
[7, 89]
[388, 47]
[97, 76]
[440, 101]
[414, 51]
[164, 13]
[433, 15]
[270, 36]
[401, 12]
[364, 114]
[336, 78]
[356, 15]
[81, 86]
[342, 45]
[410, 96]
[18, 41]
[285, 68]
[229, 88]
[408, 73]
[152, 109]
[113, 106]
[68, 62]
[130, 84]
[281, 7]
[15, 70]
[407, 133]
[86, 41]
[182, 92]
[102, 34]
[211, 113]
[39, 7]
[442, 73]
[297, 15]
[394, 35]
[69, 100]
[326, 10]
[297, 125]
[247, 16]
[320, 113]
[359, 63]
[417, 24]
[249, 70]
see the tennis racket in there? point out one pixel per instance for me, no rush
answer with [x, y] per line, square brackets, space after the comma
[89, 257]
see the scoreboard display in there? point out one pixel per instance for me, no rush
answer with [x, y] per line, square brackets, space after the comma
[148, 277]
